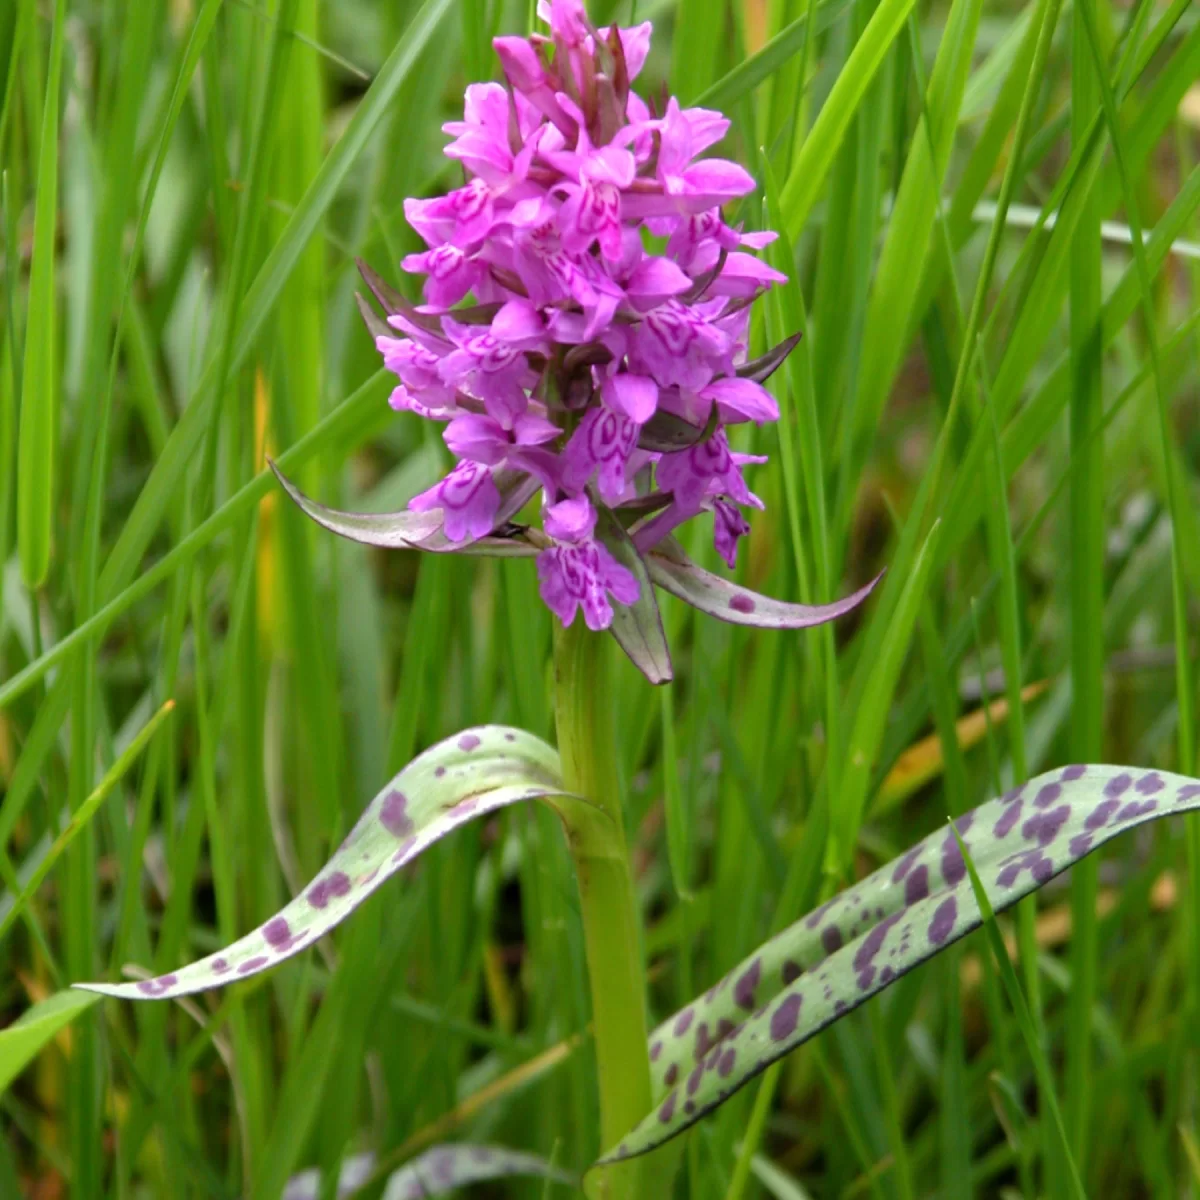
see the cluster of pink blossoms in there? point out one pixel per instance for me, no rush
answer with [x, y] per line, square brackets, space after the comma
[562, 351]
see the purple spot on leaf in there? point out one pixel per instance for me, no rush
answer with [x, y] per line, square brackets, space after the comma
[725, 1063]
[693, 1080]
[683, 1022]
[656, 1051]
[1099, 816]
[1073, 772]
[219, 966]
[1150, 784]
[905, 864]
[873, 943]
[943, 920]
[1118, 785]
[1079, 845]
[252, 964]
[276, 931]
[743, 990]
[1047, 795]
[866, 977]
[742, 603]
[1041, 869]
[886, 976]
[667, 1111]
[831, 939]
[468, 742]
[916, 886]
[671, 1075]
[1044, 827]
[1188, 792]
[1008, 818]
[953, 867]
[394, 815]
[785, 1017]
[791, 971]
[1133, 810]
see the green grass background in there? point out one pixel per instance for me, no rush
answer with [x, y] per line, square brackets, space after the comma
[1000, 407]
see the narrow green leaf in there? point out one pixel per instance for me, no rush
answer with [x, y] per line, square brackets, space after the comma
[38, 428]
[24, 1040]
[816, 154]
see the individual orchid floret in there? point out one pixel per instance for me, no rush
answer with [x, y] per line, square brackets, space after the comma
[584, 333]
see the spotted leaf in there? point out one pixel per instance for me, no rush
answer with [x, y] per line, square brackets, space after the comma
[674, 572]
[472, 773]
[434, 1173]
[865, 938]
[423, 530]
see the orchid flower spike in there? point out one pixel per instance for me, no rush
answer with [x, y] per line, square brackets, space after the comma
[564, 356]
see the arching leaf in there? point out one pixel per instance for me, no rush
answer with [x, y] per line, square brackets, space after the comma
[674, 572]
[829, 962]
[472, 773]
[434, 1173]
[423, 530]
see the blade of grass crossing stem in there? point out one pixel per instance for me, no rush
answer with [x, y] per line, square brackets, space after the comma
[870, 717]
[812, 162]
[265, 291]
[1086, 573]
[38, 430]
[1024, 1019]
[755, 1128]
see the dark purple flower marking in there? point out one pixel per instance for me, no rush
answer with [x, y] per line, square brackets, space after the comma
[786, 1016]
[944, 917]
[394, 815]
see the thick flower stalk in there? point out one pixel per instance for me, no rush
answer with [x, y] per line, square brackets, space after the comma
[586, 314]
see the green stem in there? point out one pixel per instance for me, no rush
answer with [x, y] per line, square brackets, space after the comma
[611, 924]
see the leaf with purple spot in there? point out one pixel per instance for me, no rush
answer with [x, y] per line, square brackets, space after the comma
[674, 572]
[865, 938]
[464, 777]
[434, 1173]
